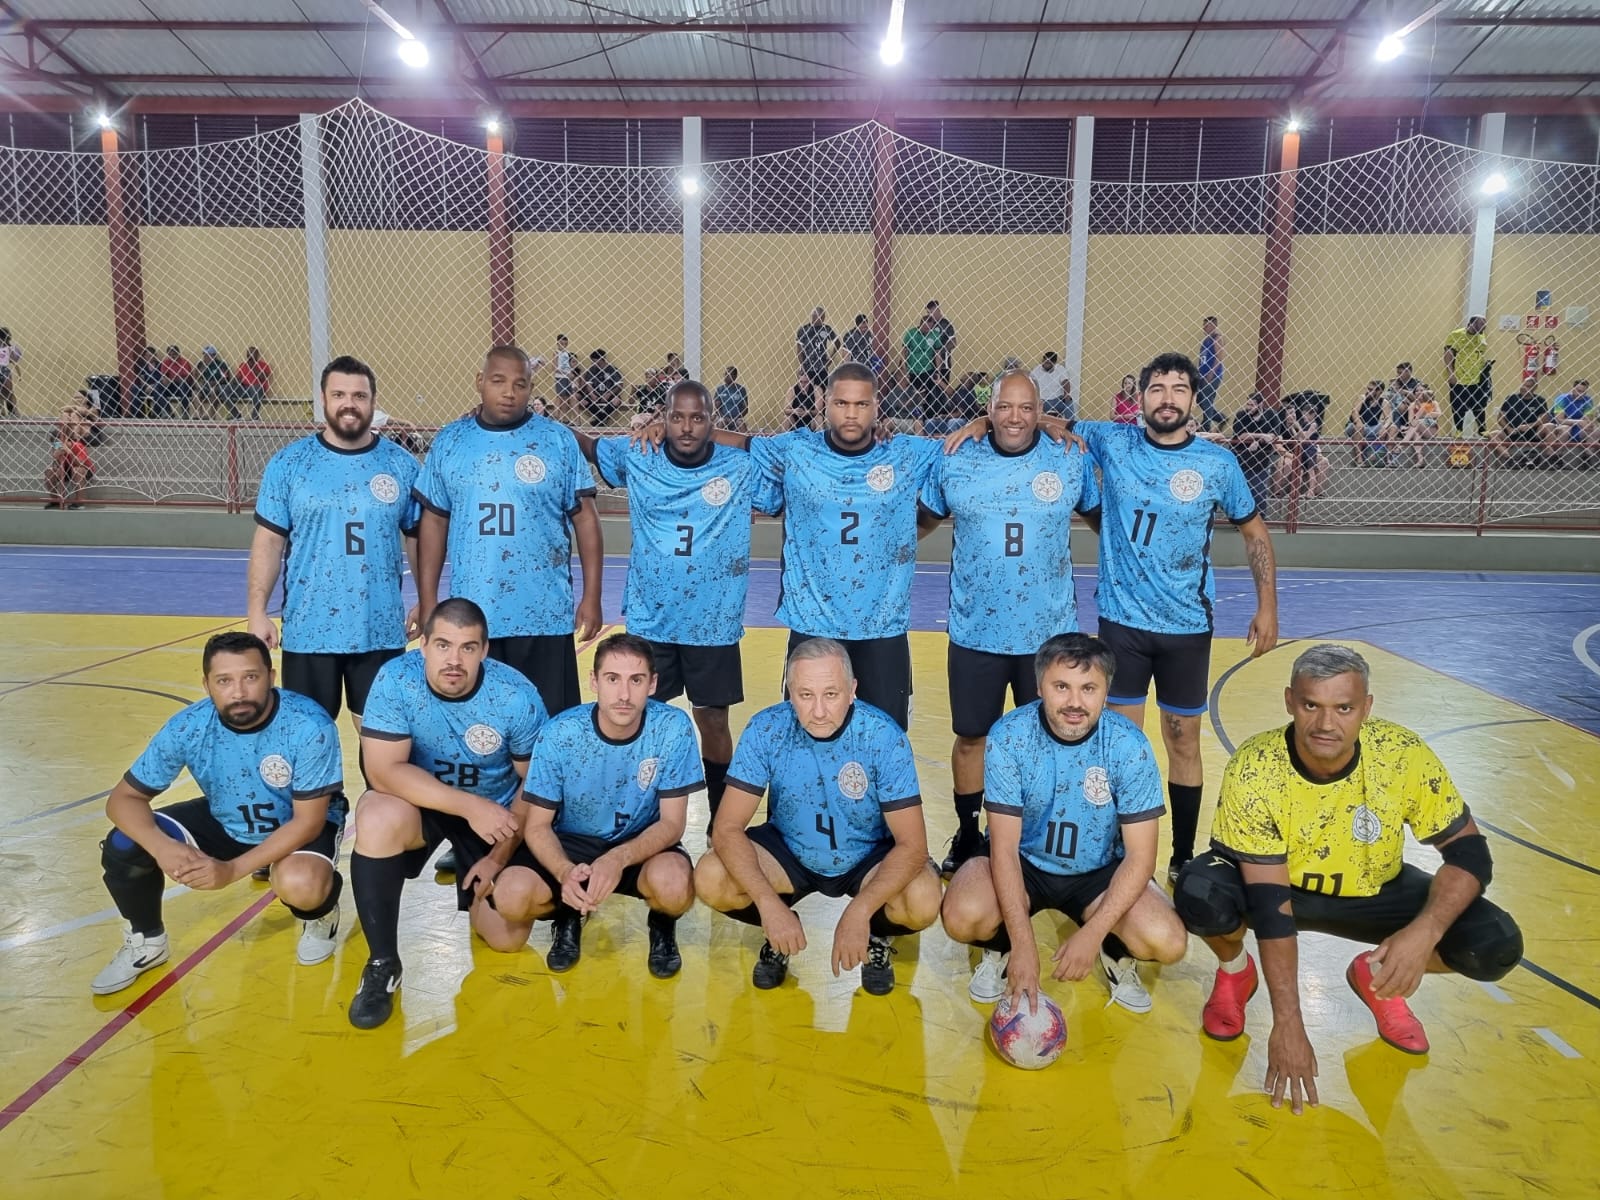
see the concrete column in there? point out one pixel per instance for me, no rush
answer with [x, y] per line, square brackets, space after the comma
[883, 334]
[692, 132]
[1078, 253]
[127, 271]
[1491, 140]
[316, 224]
[502, 272]
[1275, 273]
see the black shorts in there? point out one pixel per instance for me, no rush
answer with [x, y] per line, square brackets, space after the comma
[438, 828]
[1069, 894]
[818, 376]
[922, 382]
[806, 881]
[563, 386]
[1210, 895]
[978, 683]
[1180, 663]
[581, 848]
[713, 676]
[323, 677]
[212, 839]
[548, 661]
[883, 671]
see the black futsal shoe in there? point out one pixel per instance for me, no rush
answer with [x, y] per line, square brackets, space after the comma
[374, 1001]
[566, 941]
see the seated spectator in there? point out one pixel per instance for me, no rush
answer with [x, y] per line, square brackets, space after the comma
[1422, 422]
[1402, 390]
[1055, 389]
[254, 378]
[538, 406]
[215, 385]
[801, 411]
[1573, 415]
[650, 397]
[601, 388]
[983, 389]
[88, 411]
[71, 469]
[1259, 429]
[149, 397]
[1125, 404]
[10, 367]
[1306, 469]
[964, 398]
[732, 402]
[1525, 426]
[898, 405]
[177, 380]
[1369, 426]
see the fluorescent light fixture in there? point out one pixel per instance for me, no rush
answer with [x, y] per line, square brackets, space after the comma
[690, 185]
[413, 53]
[1390, 48]
[893, 49]
[1495, 184]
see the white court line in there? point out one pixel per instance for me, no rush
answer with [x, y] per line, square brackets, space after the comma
[1556, 1043]
[44, 935]
[1496, 992]
[1580, 647]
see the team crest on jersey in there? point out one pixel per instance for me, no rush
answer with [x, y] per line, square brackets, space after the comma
[276, 771]
[530, 468]
[384, 488]
[1187, 484]
[853, 780]
[1047, 487]
[1097, 786]
[881, 477]
[482, 739]
[646, 775]
[717, 492]
[1365, 826]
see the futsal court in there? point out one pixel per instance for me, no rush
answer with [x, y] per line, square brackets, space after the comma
[232, 1071]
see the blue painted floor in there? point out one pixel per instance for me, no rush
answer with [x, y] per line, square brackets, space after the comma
[1531, 639]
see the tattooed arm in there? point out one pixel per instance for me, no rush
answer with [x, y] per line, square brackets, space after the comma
[1263, 634]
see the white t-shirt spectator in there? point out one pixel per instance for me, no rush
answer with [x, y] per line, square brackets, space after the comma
[1048, 382]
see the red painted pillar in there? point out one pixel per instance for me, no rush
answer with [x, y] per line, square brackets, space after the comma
[127, 273]
[1275, 274]
[502, 273]
[883, 238]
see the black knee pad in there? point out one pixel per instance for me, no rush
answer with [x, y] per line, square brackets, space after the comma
[329, 903]
[1489, 955]
[1207, 907]
[123, 858]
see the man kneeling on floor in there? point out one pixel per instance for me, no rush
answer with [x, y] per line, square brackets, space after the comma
[1309, 834]
[844, 818]
[446, 737]
[268, 762]
[1074, 801]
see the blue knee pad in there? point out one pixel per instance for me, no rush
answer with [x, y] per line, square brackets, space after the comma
[123, 850]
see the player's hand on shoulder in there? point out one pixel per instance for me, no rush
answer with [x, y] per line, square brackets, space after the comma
[783, 929]
[264, 628]
[491, 822]
[883, 431]
[850, 938]
[1075, 957]
[970, 432]
[1291, 1067]
[649, 434]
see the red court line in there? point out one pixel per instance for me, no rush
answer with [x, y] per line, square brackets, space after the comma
[107, 662]
[47, 1082]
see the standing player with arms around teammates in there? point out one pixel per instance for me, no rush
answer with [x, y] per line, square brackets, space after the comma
[1012, 496]
[1160, 489]
[1074, 798]
[505, 491]
[269, 766]
[335, 511]
[1310, 834]
[447, 742]
[844, 818]
[609, 794]
[689, 568]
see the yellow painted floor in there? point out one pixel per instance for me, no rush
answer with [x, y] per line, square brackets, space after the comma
[495, 1079]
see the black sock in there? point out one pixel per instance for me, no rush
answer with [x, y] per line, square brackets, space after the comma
[749, 914]
[326, 907]
[716, 782]
[1115, 947]
[1184, 800]
[967, 806]
[377, 884]
[135, 884]
[881, 926]
[661, 920]
[1001, 941]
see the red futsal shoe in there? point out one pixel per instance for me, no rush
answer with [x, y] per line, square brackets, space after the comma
[1397, 1024]
[1223, 1018]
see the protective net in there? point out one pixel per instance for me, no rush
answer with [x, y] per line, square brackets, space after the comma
[415, 252]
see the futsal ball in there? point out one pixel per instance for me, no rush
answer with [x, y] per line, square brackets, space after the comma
[1030, 1040]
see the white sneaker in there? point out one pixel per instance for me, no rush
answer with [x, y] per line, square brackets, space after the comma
[1127, 989]
[317, 940]
[989, 978]
[138, 955]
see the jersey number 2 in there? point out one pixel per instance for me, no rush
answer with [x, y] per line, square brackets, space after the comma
[847, 535]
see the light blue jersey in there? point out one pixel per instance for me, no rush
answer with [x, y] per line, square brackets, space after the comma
[1011, 569]
[689, 568]
[850, 531]
[345, 514]
[510, 495]
[828, 795]
[1073, 797]
[472, 742]
[1157, 504]
[608, 789]
[250, 779]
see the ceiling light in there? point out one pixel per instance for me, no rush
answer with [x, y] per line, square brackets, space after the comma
[893, 48]
[690, 185]
[413, 53]
[891, 52]
[1293, 126]
[102, 119]
[1390, 48]
[492, 124]
[1495, 184]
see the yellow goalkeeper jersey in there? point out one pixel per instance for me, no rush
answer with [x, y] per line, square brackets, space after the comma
[1343, 836]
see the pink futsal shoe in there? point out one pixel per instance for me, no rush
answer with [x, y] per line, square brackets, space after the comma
[1397, 1024]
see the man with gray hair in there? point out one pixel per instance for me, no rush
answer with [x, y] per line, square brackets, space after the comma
[1310, 833]
[844, 818]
